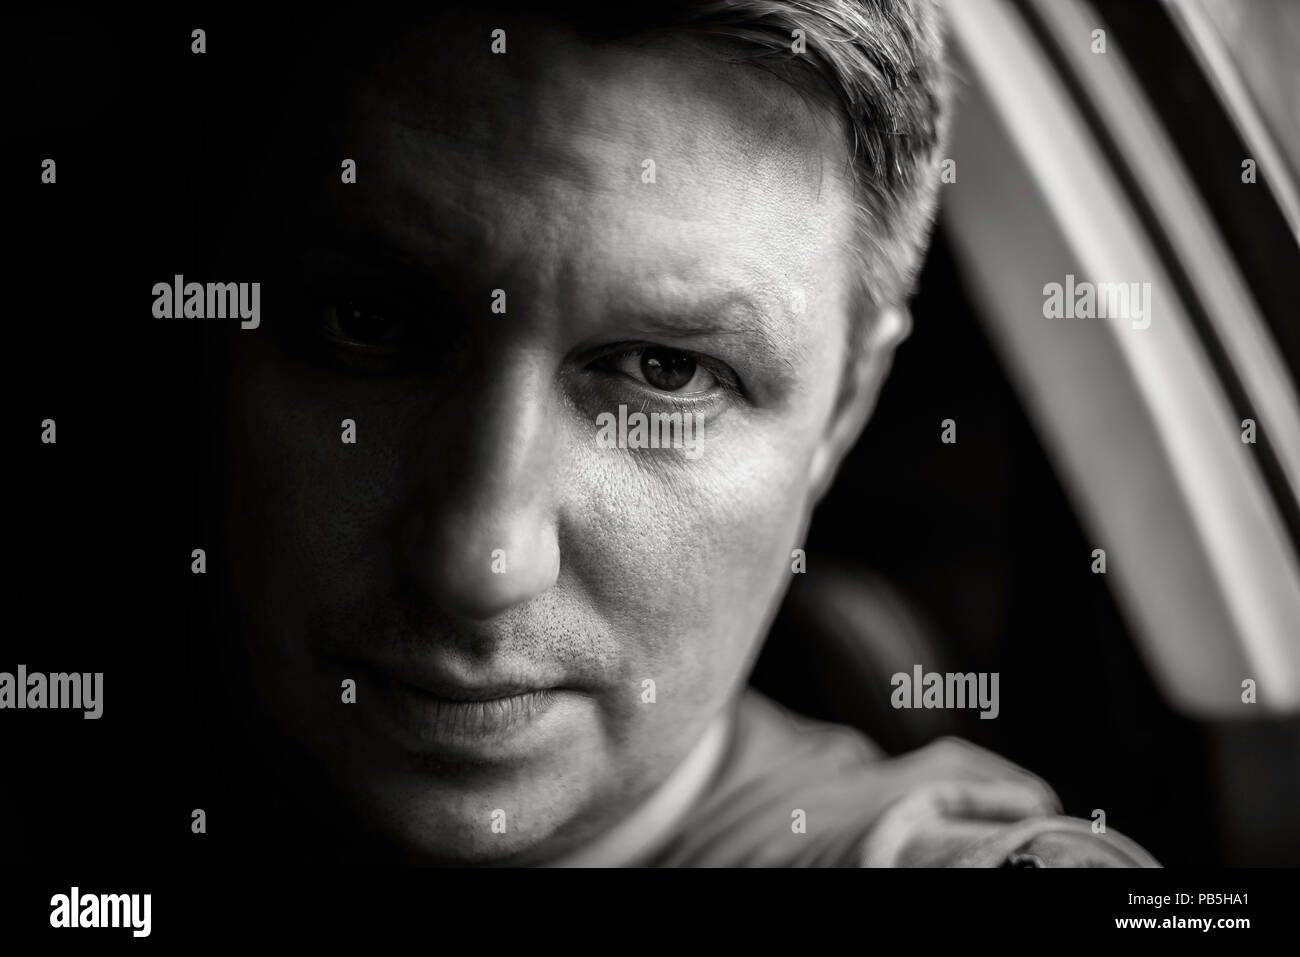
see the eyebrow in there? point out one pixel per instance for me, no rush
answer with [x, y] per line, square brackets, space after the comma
[752, 329]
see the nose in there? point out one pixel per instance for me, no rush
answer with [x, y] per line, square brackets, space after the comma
[484, 535]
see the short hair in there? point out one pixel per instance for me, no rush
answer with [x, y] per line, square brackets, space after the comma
[880, 65]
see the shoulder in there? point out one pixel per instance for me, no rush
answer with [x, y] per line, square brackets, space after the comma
[797, 792]
[999, 823]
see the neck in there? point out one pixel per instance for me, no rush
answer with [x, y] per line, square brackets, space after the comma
[633, 839]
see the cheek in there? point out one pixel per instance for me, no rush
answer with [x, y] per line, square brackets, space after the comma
[310, 507]
[686, 560]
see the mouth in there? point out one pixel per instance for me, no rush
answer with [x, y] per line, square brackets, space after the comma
[443, 688]
[432, 711]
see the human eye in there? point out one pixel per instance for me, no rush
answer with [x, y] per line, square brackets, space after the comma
[361, 330]
[676, 373]
[370, 324]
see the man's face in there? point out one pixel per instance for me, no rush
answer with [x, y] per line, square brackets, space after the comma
[501, 587]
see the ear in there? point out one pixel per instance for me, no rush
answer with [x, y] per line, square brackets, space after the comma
[864, 374]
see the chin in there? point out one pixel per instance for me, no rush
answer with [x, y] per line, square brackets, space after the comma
[438, 823]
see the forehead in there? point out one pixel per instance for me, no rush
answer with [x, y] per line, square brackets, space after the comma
[554, 99]
[658, 166]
